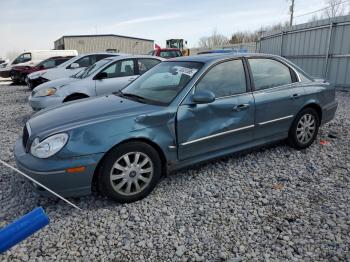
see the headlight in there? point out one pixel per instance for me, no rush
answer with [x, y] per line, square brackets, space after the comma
[49, 146]
[46, 92]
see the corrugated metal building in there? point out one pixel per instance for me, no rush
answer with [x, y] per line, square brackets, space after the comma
[103, 43]
[321, 48]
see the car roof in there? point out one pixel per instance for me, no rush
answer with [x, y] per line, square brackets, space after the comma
[103, 53]
[114, 58]
[207, 58]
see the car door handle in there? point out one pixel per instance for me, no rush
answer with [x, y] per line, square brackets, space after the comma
[240, 107]
[295, 96]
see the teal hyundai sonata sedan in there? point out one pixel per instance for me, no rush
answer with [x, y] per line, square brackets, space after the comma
[181, 112]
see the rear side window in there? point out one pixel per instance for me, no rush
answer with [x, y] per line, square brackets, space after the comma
[224, 79]
[145, 64]
[268, 73]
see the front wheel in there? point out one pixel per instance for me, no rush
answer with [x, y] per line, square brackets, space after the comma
[130, 172]
[304, 129]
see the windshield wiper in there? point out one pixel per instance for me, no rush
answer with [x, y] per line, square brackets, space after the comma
[138, 98]
[131, 96]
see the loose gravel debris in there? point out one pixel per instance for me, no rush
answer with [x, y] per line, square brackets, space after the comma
[273, 204]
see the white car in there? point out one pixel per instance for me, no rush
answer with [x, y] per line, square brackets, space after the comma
[33, 57]
[104, 77]
[67, 69]
[4, 62]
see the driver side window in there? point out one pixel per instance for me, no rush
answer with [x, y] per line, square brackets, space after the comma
[224, 79]
[26, 57]
[120, 69]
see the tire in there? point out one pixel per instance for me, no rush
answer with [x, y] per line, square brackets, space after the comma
[74, 97]
[15, 77]
[118, 179]
[30, 86]
[304, 129]
[23, 79]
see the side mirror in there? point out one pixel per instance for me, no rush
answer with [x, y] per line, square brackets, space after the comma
[74, 65]
[203, 97]
[41, 67]
[101, 75]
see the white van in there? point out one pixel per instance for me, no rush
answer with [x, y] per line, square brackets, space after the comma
[33, 57]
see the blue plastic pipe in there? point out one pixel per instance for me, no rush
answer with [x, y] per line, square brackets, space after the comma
[22, 228]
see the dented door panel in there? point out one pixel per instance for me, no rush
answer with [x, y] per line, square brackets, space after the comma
[205, 128]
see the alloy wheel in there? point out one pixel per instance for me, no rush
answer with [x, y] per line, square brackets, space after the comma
[306, 128]
[131, 173]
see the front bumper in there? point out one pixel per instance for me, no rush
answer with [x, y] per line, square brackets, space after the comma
[52, 173]
[41, 102]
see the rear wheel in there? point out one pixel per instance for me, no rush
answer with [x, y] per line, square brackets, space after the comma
[130, 172]
[304, 129]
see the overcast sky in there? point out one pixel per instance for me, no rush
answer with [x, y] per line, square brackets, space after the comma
[37, 24]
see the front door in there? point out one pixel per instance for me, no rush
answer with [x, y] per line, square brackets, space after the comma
[278, 97]
[119, 74]
[225, 123]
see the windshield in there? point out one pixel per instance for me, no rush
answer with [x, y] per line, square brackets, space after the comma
[77, 75]
[162, 83]
[92, 69]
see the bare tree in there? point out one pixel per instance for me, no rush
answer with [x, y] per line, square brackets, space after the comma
[335, 8]
[215, 40]
[314, 18]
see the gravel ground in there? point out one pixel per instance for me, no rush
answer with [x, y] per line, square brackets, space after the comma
[272, 204]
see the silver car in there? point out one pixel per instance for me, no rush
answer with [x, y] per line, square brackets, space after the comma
[104, 77]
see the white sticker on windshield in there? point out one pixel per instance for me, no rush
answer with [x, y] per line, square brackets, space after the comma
[185, 70]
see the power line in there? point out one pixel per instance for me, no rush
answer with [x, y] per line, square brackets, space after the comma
[322, 9]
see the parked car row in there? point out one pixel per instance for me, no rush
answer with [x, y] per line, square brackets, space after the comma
[103, 77]
[66, 69]
[18, 74]
[33, 58]
[152, 116]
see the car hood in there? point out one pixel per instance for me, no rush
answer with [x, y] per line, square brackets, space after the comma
[84, 112]
[58, 83]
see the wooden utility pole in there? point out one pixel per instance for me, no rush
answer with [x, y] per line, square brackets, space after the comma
[291, 10]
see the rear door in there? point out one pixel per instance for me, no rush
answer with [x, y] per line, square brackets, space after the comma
[223, 124]
[119, 74]
[278, 96]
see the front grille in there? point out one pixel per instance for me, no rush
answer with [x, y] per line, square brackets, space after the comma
[25, 136]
